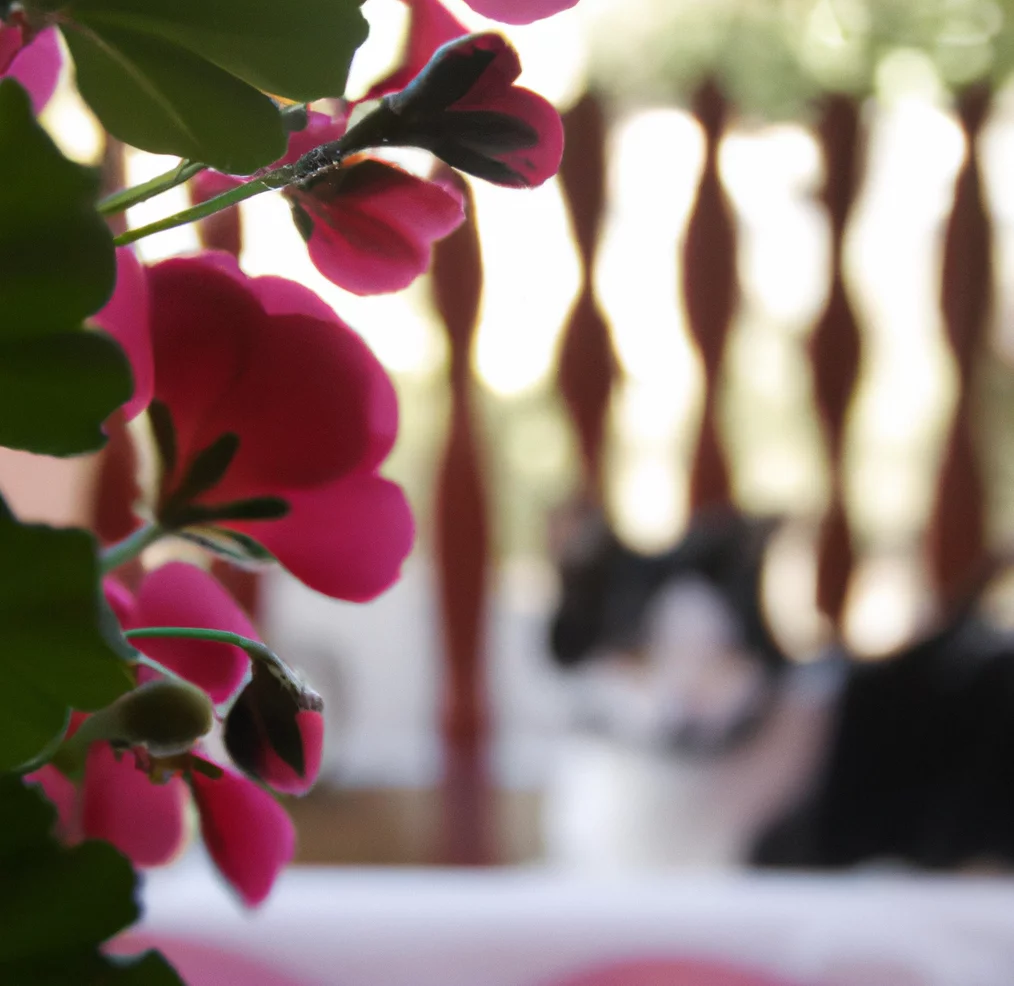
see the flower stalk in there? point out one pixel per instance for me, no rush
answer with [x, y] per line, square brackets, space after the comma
[130, 547]
[126, 198]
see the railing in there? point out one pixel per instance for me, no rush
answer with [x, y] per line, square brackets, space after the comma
[587, 372]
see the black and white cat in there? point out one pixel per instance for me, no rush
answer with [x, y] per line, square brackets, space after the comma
[704, 744]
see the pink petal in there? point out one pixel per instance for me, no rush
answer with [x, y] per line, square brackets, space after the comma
[495, 92]
[180, 595]
[276, 773]
[519, 11]
[35, 65]
[63, 794]
[144, 820]
[280, 296]
[347, 539]
[121, 602]
[125, 318]
[374, 225]
[430, 26]
[539, 163]
[298, 391]
[247, 833]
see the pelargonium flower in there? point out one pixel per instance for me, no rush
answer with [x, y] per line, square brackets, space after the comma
[464, 108]
[369, 226]
[248, 835]
[273, 418]
[33, 60]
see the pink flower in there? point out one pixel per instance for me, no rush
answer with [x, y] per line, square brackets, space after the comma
[274, 418]
[369, 226]
[519, 11]
[248, 835]
[33, 61]
[464, 108]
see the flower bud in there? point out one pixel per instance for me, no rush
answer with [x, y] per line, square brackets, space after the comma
[166, 716]
[275, 731]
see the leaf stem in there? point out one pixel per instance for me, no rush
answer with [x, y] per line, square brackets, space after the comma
[130, 547]
[127, 197]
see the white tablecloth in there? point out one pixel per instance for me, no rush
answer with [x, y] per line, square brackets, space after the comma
[346, 927]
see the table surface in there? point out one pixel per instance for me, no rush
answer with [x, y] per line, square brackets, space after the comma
[534, 927]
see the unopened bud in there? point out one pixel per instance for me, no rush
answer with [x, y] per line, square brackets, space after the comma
[275, 731]
[167, 717]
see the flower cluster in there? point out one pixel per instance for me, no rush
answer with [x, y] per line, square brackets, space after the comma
[136, 800]
[369, 225]
[268, 420]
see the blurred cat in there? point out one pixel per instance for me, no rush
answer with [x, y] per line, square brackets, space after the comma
[703, 743]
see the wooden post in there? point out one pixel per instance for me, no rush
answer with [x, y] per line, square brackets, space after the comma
[587, 363]
[835, 349]
[710, 294]
[956, 537]
[462, 548]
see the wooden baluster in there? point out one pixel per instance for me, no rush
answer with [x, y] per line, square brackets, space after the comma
[957, 529]
[710, 293]
[835, 349]
[461, 540]
[587, 364]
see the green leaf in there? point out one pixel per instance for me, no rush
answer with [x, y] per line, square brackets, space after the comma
[299, 49]
[160, 97]
[58, 383]
[55, 392]
[57, 648]
[187, 77]
[57, 263]
[58, 905]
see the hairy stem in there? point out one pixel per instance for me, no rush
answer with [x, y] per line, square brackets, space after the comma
[130, 547]
[119, 201]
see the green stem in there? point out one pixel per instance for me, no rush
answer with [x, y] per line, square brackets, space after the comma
[130, 547]
[372, 130]
[256, 650]
[278, 178]
[149, 662]
[127, 197]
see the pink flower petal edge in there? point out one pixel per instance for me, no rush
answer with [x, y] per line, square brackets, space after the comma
[121, 804]
[375, 232]
[277, 774]
[347, 539]
[247, 833]
[35, 65]
[519, 11]
[125, 318]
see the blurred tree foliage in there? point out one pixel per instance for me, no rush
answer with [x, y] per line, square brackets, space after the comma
[774, 57]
